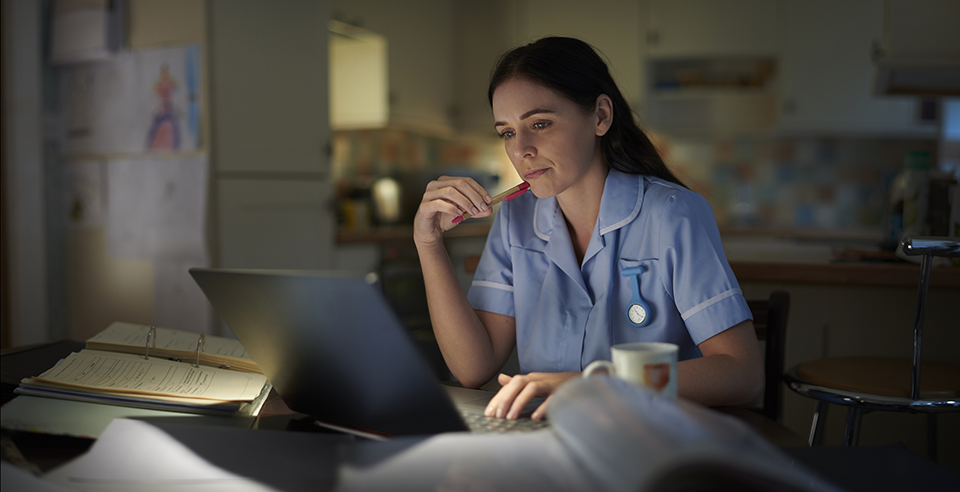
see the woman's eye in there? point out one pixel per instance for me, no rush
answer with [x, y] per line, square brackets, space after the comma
[540, 125]
[507, 134]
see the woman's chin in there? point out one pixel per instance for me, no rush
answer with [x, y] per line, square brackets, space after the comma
[541, 191]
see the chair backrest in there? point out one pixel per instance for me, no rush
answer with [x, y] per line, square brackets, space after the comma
[770, 322]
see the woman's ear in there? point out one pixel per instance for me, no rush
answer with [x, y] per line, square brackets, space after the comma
[604, 114]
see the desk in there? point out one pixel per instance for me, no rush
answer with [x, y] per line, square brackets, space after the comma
[48, 452]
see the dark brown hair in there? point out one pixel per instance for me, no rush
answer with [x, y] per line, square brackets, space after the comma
[574, 69]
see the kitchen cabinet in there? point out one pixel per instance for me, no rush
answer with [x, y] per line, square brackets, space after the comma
[420, 56]
[270, 129]
[711, 66]
[268, 67]
[712, 28]
[826, 72]
[359, 82]
[485, 30]
[483, 33]
[712, 97]
[276, 223]
[611, 26]
[920, 51]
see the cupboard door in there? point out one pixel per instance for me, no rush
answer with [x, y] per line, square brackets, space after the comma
[276, 223]
[268, 70]
[695, 28]
[827, 71]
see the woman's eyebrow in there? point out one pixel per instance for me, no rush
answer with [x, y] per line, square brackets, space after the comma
[526, 115]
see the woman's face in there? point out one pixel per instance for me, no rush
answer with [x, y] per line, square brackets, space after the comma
[551, 141]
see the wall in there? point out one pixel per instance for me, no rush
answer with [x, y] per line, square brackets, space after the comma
[24, 195]
[101, 289]
[265, 137]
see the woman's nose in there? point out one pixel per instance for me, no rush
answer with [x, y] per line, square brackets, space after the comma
[524, 147]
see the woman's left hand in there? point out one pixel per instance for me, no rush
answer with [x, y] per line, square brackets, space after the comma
[517, 391]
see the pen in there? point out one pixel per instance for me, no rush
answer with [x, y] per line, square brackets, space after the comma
[502, 197]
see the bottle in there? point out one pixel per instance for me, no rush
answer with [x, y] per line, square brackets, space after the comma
[916, 198]
[916, 193]
[893, 217]
[954, 225]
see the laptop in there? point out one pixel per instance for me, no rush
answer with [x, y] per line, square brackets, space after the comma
[334, 349]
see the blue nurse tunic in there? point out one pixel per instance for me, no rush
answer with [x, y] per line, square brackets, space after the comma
[568, 315]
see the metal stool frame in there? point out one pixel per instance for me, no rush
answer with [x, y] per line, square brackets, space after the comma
[860, 404]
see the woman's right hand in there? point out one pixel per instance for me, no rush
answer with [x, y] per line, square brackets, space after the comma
[444, 200]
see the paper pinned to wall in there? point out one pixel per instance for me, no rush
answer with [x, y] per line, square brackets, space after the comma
[157, 210]
[85, 194]
[178, 301]
[157, 207]
[84, 30]
[143, 100]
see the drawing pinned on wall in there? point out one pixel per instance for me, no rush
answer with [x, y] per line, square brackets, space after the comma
[144, 100]
[164, 132]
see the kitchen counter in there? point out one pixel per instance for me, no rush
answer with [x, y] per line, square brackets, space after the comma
[753, 258]
[843, 273]
[791, 260]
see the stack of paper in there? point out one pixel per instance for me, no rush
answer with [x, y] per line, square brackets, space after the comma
[132, 380]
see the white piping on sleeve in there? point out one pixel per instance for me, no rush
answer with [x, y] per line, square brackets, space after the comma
[492, 285]
[709, 302]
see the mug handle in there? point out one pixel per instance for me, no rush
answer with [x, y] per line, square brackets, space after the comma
[597, 365]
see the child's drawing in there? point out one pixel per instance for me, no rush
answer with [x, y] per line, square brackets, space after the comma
[164, 133]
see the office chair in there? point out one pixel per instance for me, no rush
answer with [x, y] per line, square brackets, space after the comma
[866, 384]
[770, 323]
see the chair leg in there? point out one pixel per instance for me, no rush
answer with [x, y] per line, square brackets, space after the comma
[932, 436]
[818, 424]
[851, 435]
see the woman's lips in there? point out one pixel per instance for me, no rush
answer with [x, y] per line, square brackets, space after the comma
[533, 174]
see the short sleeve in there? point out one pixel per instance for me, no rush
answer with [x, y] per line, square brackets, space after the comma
[697, 274]
[492, 287]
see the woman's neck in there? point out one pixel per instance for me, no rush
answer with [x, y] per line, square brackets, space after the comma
[581, 207]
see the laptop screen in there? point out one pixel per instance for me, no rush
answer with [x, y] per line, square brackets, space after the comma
[332, 347]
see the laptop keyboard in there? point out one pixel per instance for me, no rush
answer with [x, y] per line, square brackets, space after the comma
[479, 423]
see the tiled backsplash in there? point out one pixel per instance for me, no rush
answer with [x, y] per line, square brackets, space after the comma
[776, 183]
[789, 183]
[360, 155]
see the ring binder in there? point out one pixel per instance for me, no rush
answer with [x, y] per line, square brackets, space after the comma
[176, 345]
[151, 336]
[201, 344]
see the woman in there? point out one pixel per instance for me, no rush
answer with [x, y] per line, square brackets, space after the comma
[558, 269]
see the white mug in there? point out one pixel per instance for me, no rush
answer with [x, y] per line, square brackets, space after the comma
[650, 364]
